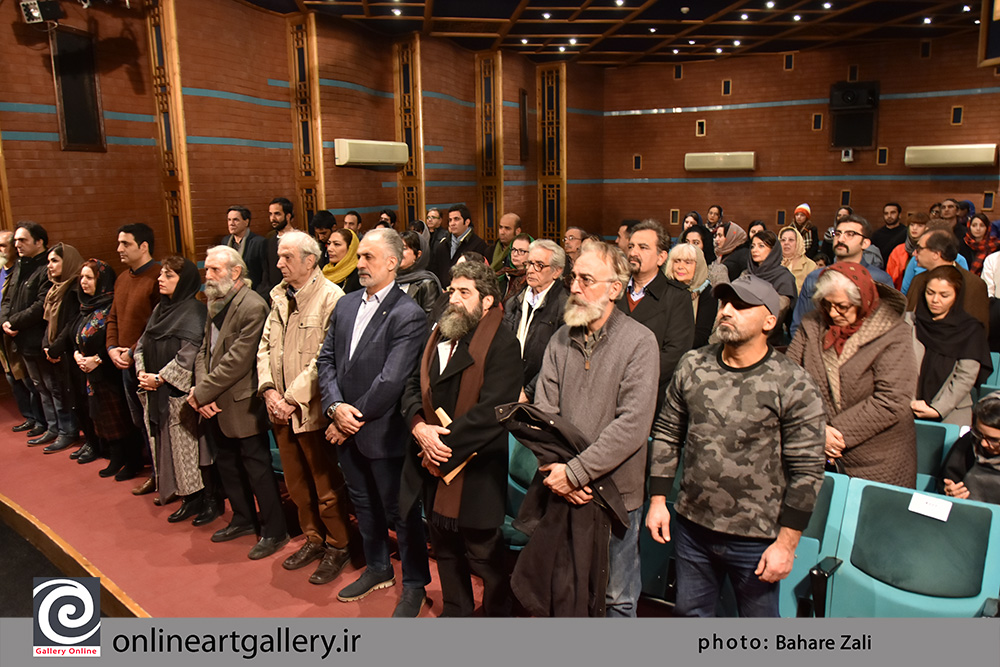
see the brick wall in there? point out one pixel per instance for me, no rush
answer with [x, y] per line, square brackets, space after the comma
[520, 192]
[80, 197]
[584, 146]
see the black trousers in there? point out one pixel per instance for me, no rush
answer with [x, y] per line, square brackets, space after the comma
[464, 553]
[244, 466]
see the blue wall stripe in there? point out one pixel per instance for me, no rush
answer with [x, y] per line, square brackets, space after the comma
[9, 135]
[718, 107]
[515, 184]
[448, 98]
[433, 148]
[784, 179]
[229, 141]
[437, 184]
[362, 211]
[585, 112]
[224, 95]
[27, 108]
[329, 144]
[335, 83]
[454, 167]
[132, 141]
[278, 83]
[941, 93]
[514, 167]
[137, 117]
[516, 105]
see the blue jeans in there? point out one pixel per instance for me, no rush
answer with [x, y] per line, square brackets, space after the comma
[704, 557]
[52, 385]
[624, 577]
[374, 488]
[28, 402]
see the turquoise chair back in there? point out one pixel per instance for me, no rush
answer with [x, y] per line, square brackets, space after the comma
[934, 441]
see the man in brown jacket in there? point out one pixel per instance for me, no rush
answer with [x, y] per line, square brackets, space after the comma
[939, 247]
[225, 395]
[301, 305]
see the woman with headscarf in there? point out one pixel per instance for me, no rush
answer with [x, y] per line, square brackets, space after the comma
[731, 254]
[793, 255]
[420, 229]
[950, 348]
[701, 237]
[108, 409]
[978, 244]
[686, 264]
[61, 310]
[765, 263]
[342, 269]
[164, 364]
[691, 218]
[858, 349]
[419, 284]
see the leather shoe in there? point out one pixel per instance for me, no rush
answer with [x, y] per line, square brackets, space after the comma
[231, 532]
[410, 603]
[306, 554]
[190, 506]
[211, 510]
[267, 546]
[146, 487]
[61, 443]
[36, 430]
[129, 471]
[44, 439]
[333, 562]
[26, 426]
[86, 454]
[370, 580]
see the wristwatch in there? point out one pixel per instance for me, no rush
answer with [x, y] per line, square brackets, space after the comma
[332, 410]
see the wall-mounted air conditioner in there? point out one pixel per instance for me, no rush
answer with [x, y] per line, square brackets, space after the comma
[953, 155]
[737, 161]
[359, 152]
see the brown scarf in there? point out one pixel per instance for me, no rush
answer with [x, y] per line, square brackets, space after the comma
[72, 263]
[448, 497]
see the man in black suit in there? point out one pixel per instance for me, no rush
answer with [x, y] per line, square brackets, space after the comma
[661, 304]
[281, 214]
[371, 348]
[470, 365]
[251, 247]
[461, 238]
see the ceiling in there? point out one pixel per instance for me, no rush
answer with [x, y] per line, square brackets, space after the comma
[606, 33]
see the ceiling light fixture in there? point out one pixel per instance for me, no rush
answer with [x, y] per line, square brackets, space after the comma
[572, 40]
[397, 12]
[770, 5]
[744, 17]
[718, 50]
[827, 5]
[619, 2]
[927, 20]
[562, 48]
[797, 17]
[977, 21]
[691, 42]
[652, 29]
[736, 42]
[546, 16]
[676, 51]
[524, 40]
[966, 8]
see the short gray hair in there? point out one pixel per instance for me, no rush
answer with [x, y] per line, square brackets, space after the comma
[558, 260]
[305, 244]
[233, 259]
[831, 281]
[390, 238]
[613, 257]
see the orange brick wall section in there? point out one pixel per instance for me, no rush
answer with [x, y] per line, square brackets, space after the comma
[73, 193]
[521, 178]
[584, 146]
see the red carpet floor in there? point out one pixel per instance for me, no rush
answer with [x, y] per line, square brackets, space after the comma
[170, 570]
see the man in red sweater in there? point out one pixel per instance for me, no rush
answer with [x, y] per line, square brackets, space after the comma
[136, 294]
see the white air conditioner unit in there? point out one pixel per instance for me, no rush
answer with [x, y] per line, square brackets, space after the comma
[954, 155]
[370, 153]
[738, 161]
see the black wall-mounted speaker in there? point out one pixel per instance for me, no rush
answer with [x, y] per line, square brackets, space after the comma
[854, 95]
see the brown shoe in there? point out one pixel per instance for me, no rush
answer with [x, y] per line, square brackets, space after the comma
[306, 554]
[146, 487]
[333, 562]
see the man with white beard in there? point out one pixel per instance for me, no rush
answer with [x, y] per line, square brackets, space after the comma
[601, 372]
[225, 395]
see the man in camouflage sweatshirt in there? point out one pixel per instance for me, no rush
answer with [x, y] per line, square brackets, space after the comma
[753, 428]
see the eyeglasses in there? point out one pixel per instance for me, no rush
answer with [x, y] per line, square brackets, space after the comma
[536, 266]
[518, 251]
[994, 443]
[586, 281]
[848, 234]
[571, 238]
[842, 308]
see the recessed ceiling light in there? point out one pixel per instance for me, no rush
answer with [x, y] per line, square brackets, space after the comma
[691, 41]
[619, 2]
[744, 17]
[546, 15]
[652, 29]
[797, 17]
[718, 50]
[827, 5]
[572, 40]
[736, 42]
[397, 12]
[966, 8]
[927, 20]
[676, 51]
[524, 40]
[977, 21]
[770, 5]
[562, 48]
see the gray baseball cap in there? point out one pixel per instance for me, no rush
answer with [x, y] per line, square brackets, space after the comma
[749, 289]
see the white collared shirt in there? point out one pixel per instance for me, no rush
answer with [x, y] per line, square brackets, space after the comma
[366, 311]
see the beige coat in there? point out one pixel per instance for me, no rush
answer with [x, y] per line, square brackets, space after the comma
[286, 357]
[867, 390]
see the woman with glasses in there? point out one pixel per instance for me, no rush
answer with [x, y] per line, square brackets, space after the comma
[859, 350]
[951, 350]
[972, 466]
[686, 264]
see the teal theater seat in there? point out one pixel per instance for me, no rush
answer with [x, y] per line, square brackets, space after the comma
[934, 441]
[275, 456]
[521, 468]
[897, 563]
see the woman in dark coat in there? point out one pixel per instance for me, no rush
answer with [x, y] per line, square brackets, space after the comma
[342, 269]
[164, 363]
[700, 237]
[686, 264]
[108, 409]
[858, 349]
[730, 253]
[419, 284]
[765, 263]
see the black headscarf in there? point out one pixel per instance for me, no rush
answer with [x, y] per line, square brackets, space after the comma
[104, 290]
[957, 336]
[177, 319]
[707, 240]
[773, 272]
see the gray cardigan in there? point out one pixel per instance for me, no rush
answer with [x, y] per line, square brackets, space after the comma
[611, 400]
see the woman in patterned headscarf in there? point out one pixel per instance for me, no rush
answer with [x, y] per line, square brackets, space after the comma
[793, 255]
[859, 350]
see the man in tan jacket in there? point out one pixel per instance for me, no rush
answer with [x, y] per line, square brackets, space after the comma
[301, 305]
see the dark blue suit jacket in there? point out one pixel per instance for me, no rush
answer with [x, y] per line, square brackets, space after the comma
[373, 380]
